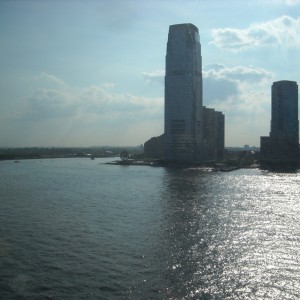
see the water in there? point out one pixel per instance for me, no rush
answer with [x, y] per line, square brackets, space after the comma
[80, 229]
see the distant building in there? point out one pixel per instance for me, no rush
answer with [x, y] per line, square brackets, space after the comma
[281, 148]
[213, 134]
[213, 138]
[154, 148]
[183, 94]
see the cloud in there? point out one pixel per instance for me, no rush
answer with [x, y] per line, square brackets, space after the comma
[95, 115]
[45, 104]
[216, 90]
[46, 79]
[100, 101]
[241, 73]
[242, 93]
[292, 2]
[284, 30]
[79, 116]
[98, 115]
[156, 76]
[221, 83]
[92, 101]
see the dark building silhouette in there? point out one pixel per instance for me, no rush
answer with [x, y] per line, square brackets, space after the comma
[281, 149]
[154, 148]
[213, 134]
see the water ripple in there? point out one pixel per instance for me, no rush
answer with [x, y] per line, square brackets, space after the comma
[77, 229]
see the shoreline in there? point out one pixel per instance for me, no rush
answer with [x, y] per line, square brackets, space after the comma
[215, 167]
[161, 163]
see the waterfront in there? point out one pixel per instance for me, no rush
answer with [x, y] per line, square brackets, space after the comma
[81, 229]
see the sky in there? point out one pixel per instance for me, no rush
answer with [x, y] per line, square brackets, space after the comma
[91, 73]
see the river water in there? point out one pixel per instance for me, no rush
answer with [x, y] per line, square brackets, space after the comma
[80, 229]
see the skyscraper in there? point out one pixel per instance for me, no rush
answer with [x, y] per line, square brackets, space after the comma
[285, 110]
[213, 134]
[183, 94]
[281, 148]
[193, 133]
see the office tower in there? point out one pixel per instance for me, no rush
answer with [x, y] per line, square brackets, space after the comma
[213, 134]
[220, 135]
[281, 148]
[285, 110]
[183, 94]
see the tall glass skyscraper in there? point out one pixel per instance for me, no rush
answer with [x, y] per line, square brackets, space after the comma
[183, 94]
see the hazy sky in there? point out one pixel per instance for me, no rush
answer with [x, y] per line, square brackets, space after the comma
[82, 73]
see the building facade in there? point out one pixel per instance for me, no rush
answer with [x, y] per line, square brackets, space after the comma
[213, 134]
[154, 147]
[281, 148]
[183, 94]
[285, 110]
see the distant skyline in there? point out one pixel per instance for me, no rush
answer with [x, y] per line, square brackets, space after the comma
[82, 73]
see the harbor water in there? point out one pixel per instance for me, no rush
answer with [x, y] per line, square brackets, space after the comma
[77, 228]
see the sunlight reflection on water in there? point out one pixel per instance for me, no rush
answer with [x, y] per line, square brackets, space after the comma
[243, 237]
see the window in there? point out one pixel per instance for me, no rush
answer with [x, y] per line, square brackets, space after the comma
[178, 126]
